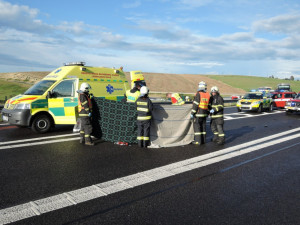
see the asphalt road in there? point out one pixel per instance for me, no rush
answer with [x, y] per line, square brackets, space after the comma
[252, 179]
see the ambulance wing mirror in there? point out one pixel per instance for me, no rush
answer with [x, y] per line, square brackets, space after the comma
[49, 94]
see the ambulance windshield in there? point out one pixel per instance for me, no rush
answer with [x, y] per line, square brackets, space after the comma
[40, 87]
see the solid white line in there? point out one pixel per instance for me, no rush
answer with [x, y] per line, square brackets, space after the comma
[39, 143]
[23, 211]
[37, 139]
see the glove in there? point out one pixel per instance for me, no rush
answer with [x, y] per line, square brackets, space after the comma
[192, 116]
[90, 114]
[212, 111]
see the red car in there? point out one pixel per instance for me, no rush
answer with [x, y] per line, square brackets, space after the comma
[293, 105]
[280, 98]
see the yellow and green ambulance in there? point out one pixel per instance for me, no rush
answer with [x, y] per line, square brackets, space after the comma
[54, 99]
[255, 101]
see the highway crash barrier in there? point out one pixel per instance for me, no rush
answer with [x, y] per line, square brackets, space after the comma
[116, 121]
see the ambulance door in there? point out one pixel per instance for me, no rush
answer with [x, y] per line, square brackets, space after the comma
[63, 101]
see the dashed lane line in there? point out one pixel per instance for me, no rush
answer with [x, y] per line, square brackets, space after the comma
[37, 207]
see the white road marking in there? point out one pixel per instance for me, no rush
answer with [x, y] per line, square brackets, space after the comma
[37, 139]
[59, 201]
[39, 143]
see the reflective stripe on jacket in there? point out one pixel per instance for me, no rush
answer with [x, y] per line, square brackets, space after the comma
[200, 104]
[84, 104]
[217, 104]
[144, 107]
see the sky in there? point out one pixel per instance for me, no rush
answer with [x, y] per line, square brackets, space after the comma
[236, 37]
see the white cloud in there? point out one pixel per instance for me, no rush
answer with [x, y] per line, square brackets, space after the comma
[282, 24]
[20, 18]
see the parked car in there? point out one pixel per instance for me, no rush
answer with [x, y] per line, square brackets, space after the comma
[280, 98]
[293, 105]
[256, 101]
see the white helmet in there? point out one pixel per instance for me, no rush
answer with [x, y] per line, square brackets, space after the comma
[214, 89]
[85, 87]
[144, 91]
[202, 86]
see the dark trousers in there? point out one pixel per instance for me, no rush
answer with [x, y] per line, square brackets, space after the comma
[86, 128]
[200, 130]
[216, 126]
[143, 135]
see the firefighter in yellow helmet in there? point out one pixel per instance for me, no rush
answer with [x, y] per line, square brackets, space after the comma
[200, 111]
[216, 107]
[85, 113]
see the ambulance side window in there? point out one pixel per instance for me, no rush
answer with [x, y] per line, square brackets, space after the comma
[64, 89]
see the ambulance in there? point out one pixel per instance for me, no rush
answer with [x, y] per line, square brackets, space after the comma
[54, 99]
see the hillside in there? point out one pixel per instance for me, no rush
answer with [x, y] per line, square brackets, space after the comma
[157, 82]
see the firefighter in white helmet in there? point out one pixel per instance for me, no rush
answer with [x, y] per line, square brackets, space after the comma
[85, 113]
[200, 111]
[144, 108]
[216, 107]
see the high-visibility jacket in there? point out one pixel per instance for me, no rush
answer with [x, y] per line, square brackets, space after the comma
[176, 99]
[84, 104]
[132, 95]
[144, 108]
[217, 104]
[200, 104]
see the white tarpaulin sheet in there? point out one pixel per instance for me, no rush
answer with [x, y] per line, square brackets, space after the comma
[171, 126]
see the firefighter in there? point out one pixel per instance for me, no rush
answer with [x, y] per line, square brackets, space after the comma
[216, 107]
[85, 113]
[144, 108]
[200, 111]
[175, 98]
[133, 94]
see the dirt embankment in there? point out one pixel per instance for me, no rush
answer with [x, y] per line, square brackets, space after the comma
[157, 82]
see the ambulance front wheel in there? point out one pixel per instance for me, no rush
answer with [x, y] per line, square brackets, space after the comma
[41, 124]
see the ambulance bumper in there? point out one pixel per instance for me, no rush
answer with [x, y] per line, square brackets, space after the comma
[20, 117]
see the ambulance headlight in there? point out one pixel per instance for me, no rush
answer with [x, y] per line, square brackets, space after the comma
[22, 106]
[255, 103]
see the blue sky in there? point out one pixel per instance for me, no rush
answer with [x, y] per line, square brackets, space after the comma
[240, 37]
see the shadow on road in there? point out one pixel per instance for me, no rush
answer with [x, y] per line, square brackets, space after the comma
[231, 135]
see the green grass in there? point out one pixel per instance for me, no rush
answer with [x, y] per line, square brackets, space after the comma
[11, 88]
[250, 82]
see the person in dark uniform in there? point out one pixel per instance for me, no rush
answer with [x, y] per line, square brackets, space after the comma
[144, 108]
[85, 113]
[200, 111]
[216, 106]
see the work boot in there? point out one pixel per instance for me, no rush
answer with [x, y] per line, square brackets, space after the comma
[196, 143]
[88, 141]
[221, 141]
[215, 139]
